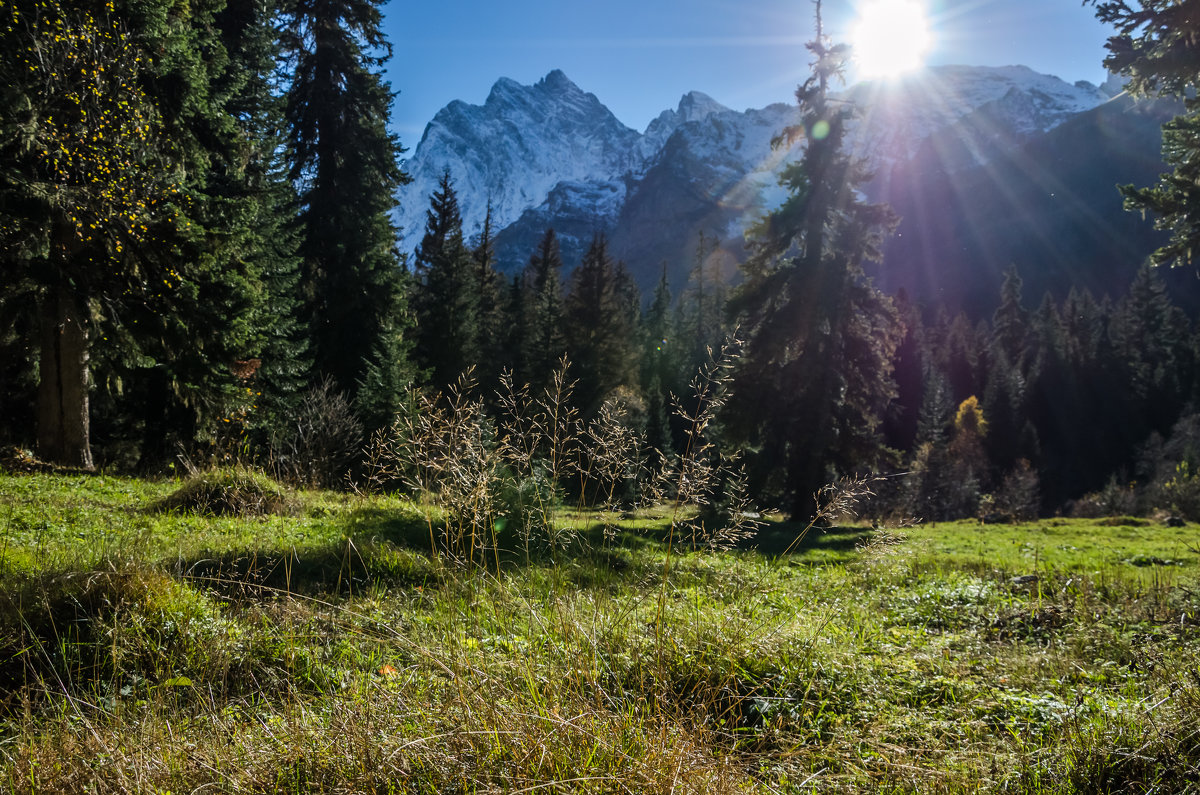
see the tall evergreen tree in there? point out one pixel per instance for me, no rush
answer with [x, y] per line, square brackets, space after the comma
[345, 164]
[1010, 322]
[912, 360]
[702, 305]
[120, 143]
[1151, 340]
[600, 319]
[816, 377]
[660, 364]
[269, 232]
[490, 331]
[447, 292]
[1155, 49]
[543, 344]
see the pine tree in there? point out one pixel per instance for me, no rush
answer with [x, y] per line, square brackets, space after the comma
[961, 357]
[1150, 338]
[83, 155]
[660, 364]
[447, 293]
[230, 355]
[345, 163]
[269, 236]
[816, 375]
[1010, 322]
[702, 305]
[912, 360]
[490, 314]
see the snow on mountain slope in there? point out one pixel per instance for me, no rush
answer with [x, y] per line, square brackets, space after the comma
[694, 106]
[897, 117]
[514, 149]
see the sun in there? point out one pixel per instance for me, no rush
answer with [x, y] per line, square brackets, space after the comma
[889, 38]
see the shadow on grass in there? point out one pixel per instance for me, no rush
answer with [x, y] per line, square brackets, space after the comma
[384, 548]
[376, 548]
[820, 545]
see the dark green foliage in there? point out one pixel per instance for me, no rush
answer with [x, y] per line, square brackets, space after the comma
[1150, 337]
[816, 377]
[910, 365]
[345, 164]
[702, 323]
[1155, 48]
[662, 346]
[600, 314]
[129, 194]
[1010, 322]
[1010, 436]
[490, 320]
[541, 344]
[268, 235]
[447, 294]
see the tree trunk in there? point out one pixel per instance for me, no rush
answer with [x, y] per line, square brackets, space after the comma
[63, 423]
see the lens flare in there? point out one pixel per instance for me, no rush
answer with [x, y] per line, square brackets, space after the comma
[890, 37]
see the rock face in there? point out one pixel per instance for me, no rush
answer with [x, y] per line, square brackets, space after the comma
[515, 149]
[553, 155]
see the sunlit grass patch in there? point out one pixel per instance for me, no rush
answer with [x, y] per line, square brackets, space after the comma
[335, 649]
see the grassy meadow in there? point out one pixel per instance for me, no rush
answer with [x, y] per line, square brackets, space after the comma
[323, 648]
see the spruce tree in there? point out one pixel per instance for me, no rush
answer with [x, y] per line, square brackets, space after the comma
[1155, 49]
[490, 331]
[912, 359]
[816, 375]
[660, 364]
[702, 305]
[446, 293]
[120, 143]
[1010, 322]
[600, 314]
[543, 345]
[1150, 337]
[345, 164]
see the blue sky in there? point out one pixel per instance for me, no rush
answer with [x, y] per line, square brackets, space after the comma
[640, 56]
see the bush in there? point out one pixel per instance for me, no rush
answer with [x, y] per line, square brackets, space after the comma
[1115, 499]
[1181, 493]
[322, 443]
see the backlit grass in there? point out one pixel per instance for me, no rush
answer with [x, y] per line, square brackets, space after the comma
[327, 651]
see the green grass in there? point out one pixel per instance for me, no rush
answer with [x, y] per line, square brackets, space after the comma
[326, 650]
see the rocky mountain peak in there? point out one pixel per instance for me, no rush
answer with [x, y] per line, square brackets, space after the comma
[553, 154]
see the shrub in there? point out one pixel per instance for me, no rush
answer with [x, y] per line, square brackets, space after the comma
[1182, 493]
[323, 441]
[1115, 499]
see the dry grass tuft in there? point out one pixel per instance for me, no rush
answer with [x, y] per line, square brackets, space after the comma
[228, 492]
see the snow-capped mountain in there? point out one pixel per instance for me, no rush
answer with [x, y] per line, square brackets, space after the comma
[514, 149]
[553, 155]
[898, 117]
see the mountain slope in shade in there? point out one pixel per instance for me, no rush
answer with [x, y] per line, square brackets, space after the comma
[1050, 207]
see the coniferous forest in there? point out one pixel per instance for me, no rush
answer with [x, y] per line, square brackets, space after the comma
[201, 266]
